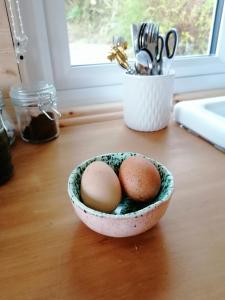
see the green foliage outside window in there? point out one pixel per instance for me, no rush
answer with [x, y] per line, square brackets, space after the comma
[97, 21]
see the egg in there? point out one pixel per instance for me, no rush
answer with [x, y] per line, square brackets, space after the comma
[139, 178]
[100, 187]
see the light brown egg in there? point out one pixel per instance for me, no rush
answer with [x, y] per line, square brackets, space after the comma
[100, 187]
[139, 178]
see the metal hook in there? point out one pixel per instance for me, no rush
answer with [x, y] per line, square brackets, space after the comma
[56, 111]
[51, 103]
[46, 114]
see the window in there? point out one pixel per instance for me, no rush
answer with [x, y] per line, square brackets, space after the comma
[71, 39]
[91, 25]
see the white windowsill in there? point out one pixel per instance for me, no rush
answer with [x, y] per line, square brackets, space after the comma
[82, 98]
[83, 114]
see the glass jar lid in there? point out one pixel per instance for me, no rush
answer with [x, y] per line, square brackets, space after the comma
[34, 94]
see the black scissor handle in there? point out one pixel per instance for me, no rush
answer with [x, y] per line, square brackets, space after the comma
[171, 42]
[159, 49]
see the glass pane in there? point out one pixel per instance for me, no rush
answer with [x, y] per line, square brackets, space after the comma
[92, 24]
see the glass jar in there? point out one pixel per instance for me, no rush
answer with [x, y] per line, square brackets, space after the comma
[6, 168]
[37, 115]
[7, 122]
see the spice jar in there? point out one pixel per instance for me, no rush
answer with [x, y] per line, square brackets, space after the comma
[6, 121]
[6, 168]
[37, 115]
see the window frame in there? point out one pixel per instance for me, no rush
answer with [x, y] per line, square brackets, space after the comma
[48, 55]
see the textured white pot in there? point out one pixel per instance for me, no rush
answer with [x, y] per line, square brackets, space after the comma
[147, 101]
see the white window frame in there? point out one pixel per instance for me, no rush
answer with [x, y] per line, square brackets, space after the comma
[48, 59]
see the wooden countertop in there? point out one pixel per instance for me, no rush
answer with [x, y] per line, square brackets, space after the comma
[47, 253]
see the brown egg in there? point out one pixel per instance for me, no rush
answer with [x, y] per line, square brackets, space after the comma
[139, 178]
[100, 187]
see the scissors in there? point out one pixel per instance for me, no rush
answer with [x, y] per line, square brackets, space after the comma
[167, 49]
[159, 53]
[171, 41]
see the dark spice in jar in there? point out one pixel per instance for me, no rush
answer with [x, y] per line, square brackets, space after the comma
[6, 167]
[40, 129]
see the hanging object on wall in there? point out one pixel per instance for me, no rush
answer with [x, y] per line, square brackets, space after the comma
[20, 39]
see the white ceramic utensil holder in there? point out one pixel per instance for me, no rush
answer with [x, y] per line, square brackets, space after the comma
[147, 101]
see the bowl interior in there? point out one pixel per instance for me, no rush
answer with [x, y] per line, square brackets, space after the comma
[114, 160]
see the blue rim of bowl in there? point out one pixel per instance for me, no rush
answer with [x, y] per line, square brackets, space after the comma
[138, 213]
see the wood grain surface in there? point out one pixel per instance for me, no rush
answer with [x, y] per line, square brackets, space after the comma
[47, 253]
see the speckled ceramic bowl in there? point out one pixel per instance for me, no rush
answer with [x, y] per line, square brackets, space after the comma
[129, 218]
